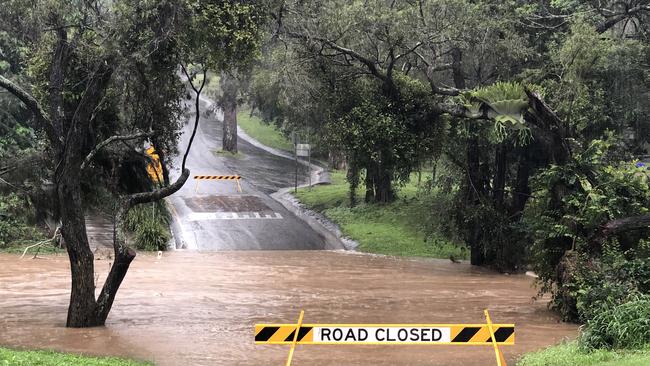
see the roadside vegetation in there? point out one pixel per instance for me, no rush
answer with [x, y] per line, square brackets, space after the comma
[570, 354]
[266, 133]
[398, 228]
[10, 357]
[149, 224]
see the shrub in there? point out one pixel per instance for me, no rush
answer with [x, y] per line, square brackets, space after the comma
[152, 235]
[156, 211]
[570, 204]
[622, 326]
[150, 224]
[14, 221]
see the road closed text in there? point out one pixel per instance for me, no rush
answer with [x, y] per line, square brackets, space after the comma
[381, 335]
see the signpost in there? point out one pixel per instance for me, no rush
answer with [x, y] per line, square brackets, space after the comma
[300, 150]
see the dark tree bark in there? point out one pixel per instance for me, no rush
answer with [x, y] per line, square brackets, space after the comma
[229, 139]
[618, 226]
[230, 88]
[522, 190]
[499, 181]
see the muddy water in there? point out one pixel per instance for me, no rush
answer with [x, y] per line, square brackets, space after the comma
[199, 308]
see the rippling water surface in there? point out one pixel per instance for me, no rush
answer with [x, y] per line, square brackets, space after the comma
[191, 308]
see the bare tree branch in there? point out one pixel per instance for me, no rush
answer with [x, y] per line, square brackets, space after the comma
[33, 106]
[109, 140]
[372, 65]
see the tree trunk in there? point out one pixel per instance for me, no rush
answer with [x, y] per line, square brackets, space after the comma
[228, 101]
[229, 139]
[370, 183]
[337, 159]
[499, 181]
[383, 186]
[522, 190]
[81, 312]
[474, 192]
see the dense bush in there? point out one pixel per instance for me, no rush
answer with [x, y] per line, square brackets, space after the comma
[14, 221]
[150, 225]
[621, 326]
[152, 236]
[570, 205]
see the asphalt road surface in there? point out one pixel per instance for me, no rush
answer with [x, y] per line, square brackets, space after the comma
[214, 215]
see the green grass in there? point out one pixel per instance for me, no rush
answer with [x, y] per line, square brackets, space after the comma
[237, 155]
[265, 133]
[10, 357]
[42, 249]
[570, 354]
[391, 229]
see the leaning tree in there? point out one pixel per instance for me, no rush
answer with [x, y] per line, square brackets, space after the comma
[105, 76]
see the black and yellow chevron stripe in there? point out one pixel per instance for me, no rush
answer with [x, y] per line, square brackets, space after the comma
[218, 177]
[481, 334]
[283, 334]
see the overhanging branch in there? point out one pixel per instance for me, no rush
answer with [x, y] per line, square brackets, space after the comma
[108, 141]
[32, 104]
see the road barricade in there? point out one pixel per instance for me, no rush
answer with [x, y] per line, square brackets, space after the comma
[487, 334]
[199, 178]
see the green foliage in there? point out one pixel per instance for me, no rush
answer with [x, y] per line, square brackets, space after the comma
[221, 35]
[571, 202]
[263, 132]
[15, 219]
[150, 224]
[152, 236]
[506, 104]
[571, 354]
[625, 326]
[384, 136]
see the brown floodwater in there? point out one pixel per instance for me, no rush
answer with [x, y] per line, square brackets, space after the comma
[191, 308]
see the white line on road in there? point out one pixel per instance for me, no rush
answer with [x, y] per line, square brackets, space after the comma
[201, 216]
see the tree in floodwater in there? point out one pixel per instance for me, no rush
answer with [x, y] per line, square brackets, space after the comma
[93, 111]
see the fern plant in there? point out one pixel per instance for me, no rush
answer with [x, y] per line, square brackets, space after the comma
[505, 104]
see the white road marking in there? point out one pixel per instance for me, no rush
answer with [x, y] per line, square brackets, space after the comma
[202, 216]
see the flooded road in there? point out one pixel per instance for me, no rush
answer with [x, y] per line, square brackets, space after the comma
[196, 308]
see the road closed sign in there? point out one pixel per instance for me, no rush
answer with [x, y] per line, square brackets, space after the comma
[389, 334]
[372, 335]
[488, 334]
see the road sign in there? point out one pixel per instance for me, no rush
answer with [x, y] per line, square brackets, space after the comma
[302, 149]
[388, 334]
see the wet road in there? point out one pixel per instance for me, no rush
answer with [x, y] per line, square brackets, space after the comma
[215, 216]
[191, 308]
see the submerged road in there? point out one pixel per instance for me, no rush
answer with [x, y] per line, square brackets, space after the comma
[200, 308]
[215, 216]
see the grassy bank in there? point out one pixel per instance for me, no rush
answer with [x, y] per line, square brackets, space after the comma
[12, 357]
[570, 355]
[265, 133]
[393, 229]
[19, 248]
